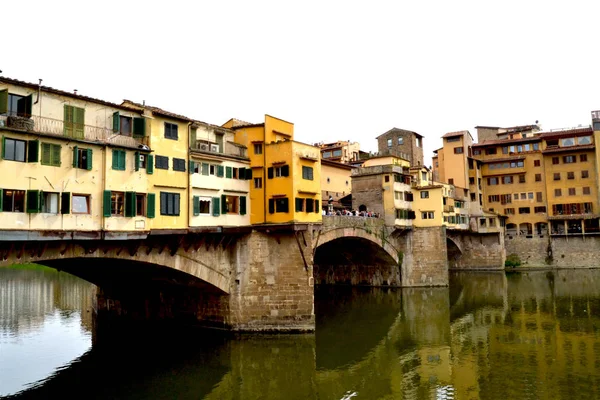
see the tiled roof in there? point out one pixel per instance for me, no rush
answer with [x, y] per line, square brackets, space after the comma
[495, 160]
[507, 141]
[159, 111]
[454, 134]
[570, 132]
[569, 148]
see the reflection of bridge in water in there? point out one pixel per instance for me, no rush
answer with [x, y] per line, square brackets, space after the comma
[503, 336]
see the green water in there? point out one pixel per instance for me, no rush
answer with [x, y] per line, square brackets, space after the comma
[491, 336]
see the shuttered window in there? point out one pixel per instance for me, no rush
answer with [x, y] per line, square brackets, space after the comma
[178, 164]
[74, 122]
[171, 131]
[169, 203]
[162, 162]
[118, 160]
[51, 154]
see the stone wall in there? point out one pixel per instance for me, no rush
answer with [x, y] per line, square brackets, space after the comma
[427, 262]
[273, 287]
[563, 252]
[532, 251]
[479, 251]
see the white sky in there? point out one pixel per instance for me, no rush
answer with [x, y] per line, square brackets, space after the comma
[338, 69]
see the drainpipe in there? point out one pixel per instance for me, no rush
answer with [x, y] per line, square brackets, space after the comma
[189, 188]
[265, 177]
[103, 218]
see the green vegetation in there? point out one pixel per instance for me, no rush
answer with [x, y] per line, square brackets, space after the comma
[512, 260]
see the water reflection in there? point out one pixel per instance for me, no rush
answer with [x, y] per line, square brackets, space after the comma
[490, 336]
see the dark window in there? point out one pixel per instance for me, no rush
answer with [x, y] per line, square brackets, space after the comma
[117, 203]
[458, 150]
[13, 200]
[178, 164]
[572, 191]
[82, 158]
[451, 181]
[307, 173]
[281, 205]
[171, 131]
[300, 204]
[257, 148]
[471, 181]
[557, 192]
[140, 204]
[571, 175]
[257, 183]
[490, 151]
[51, 154]
[569, 159]
[311, 205]
[555, 160]
[557, 176]
[538, 197]
[524, 210]
[125, 125]
[536, 163]
[521, 178]
[538, 177]
[386, 178]
[161, 162]
[586, 190]
[473, 198]
[583, 157]
[540, 209]
[509, 211]
[14, 150]
[585, 174]
[470, 164]
[169, 203]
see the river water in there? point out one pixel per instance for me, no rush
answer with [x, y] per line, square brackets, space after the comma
[489, 335]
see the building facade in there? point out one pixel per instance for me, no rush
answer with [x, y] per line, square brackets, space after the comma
[341, 151]
[336, 185]
[402, 143]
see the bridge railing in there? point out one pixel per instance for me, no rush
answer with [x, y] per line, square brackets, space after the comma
[338, 221]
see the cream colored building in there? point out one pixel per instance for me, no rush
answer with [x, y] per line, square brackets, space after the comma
[336, 184]
[341, 151]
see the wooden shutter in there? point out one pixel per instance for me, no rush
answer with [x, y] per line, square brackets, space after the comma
[270, 173]
[317, 206]
[150, 164]
[68, 121]
[55, 155]
[299, 204]
[139, 127]
[33, 149]
[223, 204]
[216, 206]
[220, 171]
[191, 166]
[271, 206]
[228, 172]
[176, 200]
[3, 147]
[248, 173]
[116, 122]
[1, 196]
[163, 203]
[46, 153]
[4, 101]
[122, 160]
[89, 160]
[151, 205]
[285, 170]
[242, 205]
[130, 204]
[137, 160]
[65, 203]
[33, 201]
[204, 169]
[115, 159]
[106, 203]
[75, 151]
[196, 205]
[79, 114]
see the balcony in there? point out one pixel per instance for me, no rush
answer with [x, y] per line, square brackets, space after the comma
[55, 127]
[230, 148]
[448, 208]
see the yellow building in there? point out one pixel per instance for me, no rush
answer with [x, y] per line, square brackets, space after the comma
[340, 151]
[336, 184]
[286, 185]
[68, 166]
[220, 177]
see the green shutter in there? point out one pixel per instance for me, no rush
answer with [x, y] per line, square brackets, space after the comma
[65, 203]
[191, 166]
[220, 171]
[106, 203]
[130, 204]
[196, 205]
[116, 122]
[79, 114]
[115, 159]
[317, 206]
[150, 164]
[75, 149]
[139, 127]
[242, 205]
[3, 146]
[33, 150]
[1, 196]
[271, 206]
[45, 154]
[270, 173]
[204, 169]
[216, 206]
[89, 160]
[55, 155]
[223, 204]
[4, 101]
[299, 204]
[137, 160]
[68, 121]
[248, 173]
[122, 160]
[285, 170]
[151, 205]
[228, 173]
[33, 201]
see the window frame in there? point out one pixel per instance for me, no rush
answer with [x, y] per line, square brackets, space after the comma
[171, 131]
[87, 198]
[14, 149]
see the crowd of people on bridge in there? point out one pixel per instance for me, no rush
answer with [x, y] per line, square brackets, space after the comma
[350, 213]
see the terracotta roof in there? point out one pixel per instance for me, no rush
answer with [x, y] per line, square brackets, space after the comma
[337, 164]
[507, 141]
[454, 134]
[510, 129]
[568, 149]
[570, 132]
[429, 187]
[495, 160]
[63, 93]
[159, 111]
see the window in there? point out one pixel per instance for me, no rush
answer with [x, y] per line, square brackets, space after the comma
[523, 196]
[451, 181]
[458, 150]
[425, 194]
[521, 178]
[536, 163]
[51, 154]
[300, 204]
[312, 206]
[555, 160]
[530, 195]
[571, 175]
[14, 150]
[538, 177]
[507, 180]
[178, 164]
[82, 158]
[204, 205]
[453, 139]
[118, 160]
[337, 153]
[14, 104]
[230, 204]
[482, 222]
[399, 195]
[257, 148]
[567, 142]
[476, 152]
[281, 205]
[552, 143]
[538, 197]
[307, 173]
[539, 210]
[389, 143]
[585, 174]
[427, 215]
[13, 200]
[161, 162]
[509, 211]
[257, 183]
[494, 198]
[117, 204]
[169, 203]
[586, 190]
[557, 192]
[557, 176]
[492, 181]
[584, 140]
[81, 203]
[572, 192]
[326, 154]
[284, 170]
[569, 159]
[490, 151]
[49, 203]
[386, 178]
[400, 140]
[419, 142]
[471, 181]
[473, 198]
[582, 157]
[505, 150]
[171, 131]
[73, 125]
[524, 210]
[125, 125]
[141, 162]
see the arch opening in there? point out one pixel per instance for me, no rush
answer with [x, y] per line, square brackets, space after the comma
[355, 261]
[454, 253]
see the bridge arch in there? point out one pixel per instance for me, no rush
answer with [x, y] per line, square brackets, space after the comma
[454, 252]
